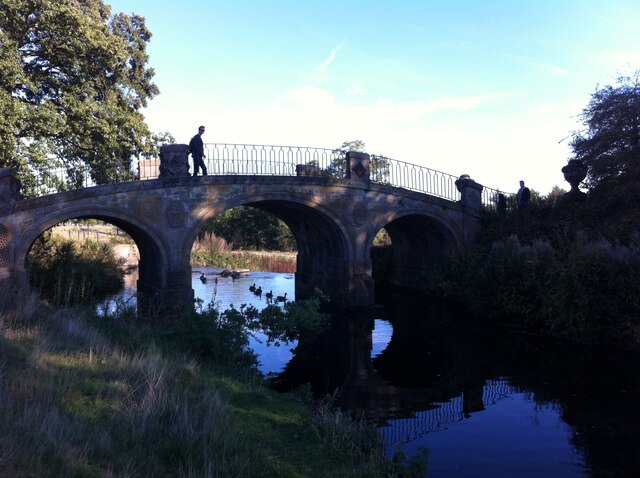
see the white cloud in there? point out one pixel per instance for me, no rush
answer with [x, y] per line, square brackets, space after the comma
[356, 90]
[322, 67]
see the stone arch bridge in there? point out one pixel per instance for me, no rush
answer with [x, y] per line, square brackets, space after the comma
[334, 222]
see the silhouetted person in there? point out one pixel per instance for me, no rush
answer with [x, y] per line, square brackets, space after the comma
[196, 148]
[502, 204]
[523, 196]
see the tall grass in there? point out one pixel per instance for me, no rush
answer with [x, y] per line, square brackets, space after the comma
[82, 396]
[68, 273]
[83, 407]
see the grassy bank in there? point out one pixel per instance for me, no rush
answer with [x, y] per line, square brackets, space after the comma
[120, 396]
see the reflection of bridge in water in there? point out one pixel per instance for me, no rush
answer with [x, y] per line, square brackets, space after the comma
[405, 430]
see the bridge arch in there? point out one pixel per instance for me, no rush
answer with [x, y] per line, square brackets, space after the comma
[324, 247]
[421, 244]
[153, 254]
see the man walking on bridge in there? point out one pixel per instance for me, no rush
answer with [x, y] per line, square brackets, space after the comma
[196, 147]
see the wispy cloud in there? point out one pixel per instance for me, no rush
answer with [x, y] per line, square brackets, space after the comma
[541, 65]
[322, 67]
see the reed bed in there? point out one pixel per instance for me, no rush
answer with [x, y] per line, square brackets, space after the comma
[213, 251]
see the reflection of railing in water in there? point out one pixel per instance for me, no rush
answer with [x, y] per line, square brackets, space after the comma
[408, 429]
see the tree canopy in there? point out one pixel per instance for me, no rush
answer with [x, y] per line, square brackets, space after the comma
[73, 78]
[249, 228]
[609, 144]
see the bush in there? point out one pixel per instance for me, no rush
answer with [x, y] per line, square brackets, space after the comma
[584, 289]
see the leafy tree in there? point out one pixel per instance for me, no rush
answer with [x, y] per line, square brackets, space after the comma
[252, 229]
[609, 144]
[73, 78]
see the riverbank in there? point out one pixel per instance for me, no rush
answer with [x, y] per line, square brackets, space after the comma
[91, 397]
[207, 252]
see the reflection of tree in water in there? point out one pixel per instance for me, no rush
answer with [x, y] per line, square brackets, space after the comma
[436, 370]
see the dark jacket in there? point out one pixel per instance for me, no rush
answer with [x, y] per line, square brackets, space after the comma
[196, 147]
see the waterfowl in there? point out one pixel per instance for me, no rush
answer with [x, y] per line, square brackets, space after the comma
[282, 298]
[269, 295]
[252, 288]
[203, 278]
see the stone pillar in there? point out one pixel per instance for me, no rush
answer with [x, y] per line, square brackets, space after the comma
[358, 166]
[174, 160]
[470, 193]
[471, 202]
[9, 187]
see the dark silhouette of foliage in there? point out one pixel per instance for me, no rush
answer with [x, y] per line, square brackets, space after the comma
[609, 144]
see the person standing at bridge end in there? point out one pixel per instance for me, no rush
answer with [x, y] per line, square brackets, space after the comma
[523, 196]
[196, 148]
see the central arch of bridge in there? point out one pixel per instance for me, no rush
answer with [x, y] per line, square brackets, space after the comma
[421, 245]
[324, 249]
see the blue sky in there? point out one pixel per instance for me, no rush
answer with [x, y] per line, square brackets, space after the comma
[488, 88]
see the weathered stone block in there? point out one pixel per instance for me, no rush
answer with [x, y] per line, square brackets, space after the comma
[174, 160]
[358, 166]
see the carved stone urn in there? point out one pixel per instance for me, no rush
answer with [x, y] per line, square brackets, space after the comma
[574, 173]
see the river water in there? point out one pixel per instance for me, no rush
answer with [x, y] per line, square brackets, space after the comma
[485, 403]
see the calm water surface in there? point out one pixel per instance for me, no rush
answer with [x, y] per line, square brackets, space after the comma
[485, 403]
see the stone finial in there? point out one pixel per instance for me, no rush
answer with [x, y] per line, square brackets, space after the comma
[470, 192]
[174, 160]
[358, 166]
[9, 186]
[574, 173]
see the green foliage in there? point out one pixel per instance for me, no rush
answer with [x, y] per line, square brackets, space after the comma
[249, 228]
[402, 466]
[609, 144]
[69, 273]
[73, 79]
[299, 320]
[586, 289]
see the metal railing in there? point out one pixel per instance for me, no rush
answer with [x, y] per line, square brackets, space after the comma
[269, 160]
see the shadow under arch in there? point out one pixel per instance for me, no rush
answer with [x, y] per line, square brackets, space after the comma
[153, 258]
[323, 248]
[421, 245]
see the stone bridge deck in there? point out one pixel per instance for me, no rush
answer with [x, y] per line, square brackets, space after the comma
[334, 222]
